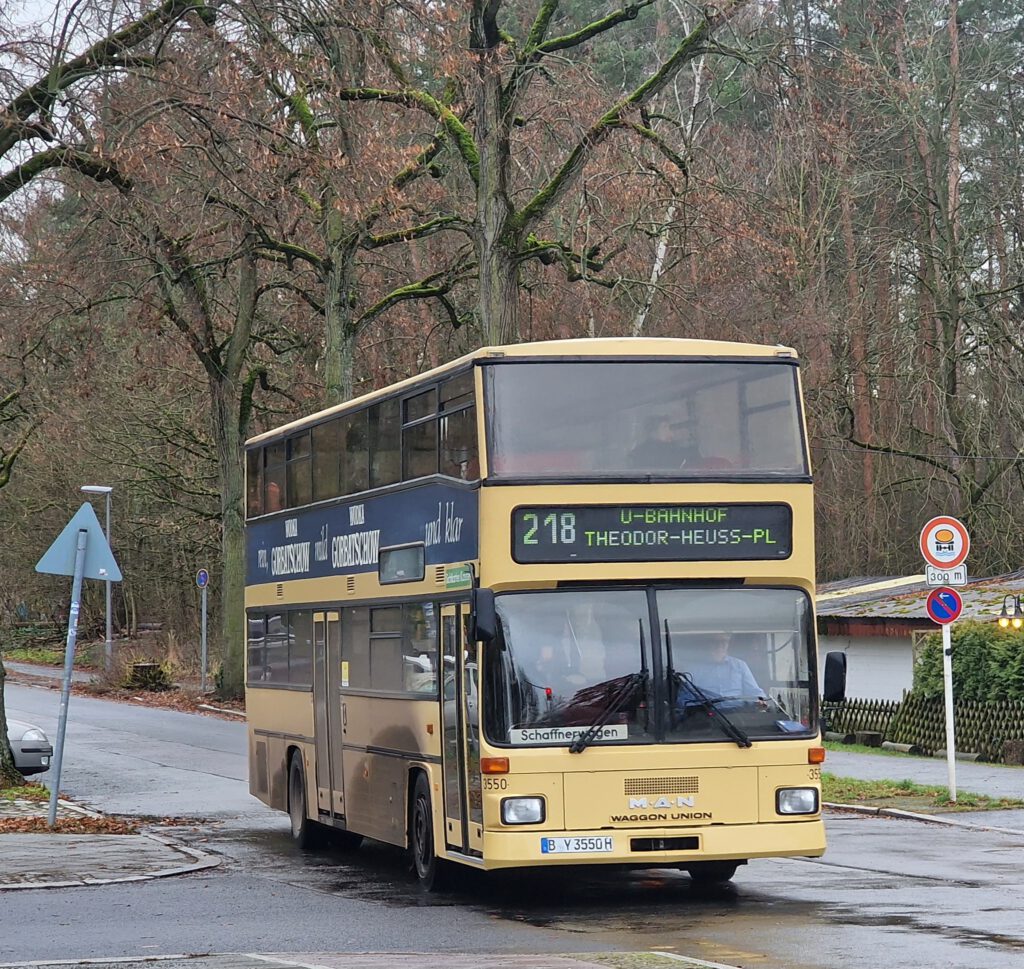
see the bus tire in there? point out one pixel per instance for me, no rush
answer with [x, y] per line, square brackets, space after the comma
[306, 833]
[712, 872]
[430, 870]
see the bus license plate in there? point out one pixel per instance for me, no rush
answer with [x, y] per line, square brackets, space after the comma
[577, 846]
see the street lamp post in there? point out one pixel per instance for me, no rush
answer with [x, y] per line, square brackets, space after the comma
[108, 646]
[1012, 615]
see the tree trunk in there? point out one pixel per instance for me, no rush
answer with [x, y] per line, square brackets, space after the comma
[230, 428]
[339, 326]
[229, 445]
[496, 245]
[9, 774]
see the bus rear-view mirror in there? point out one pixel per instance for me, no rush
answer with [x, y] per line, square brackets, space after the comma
[484, 616]
[834, 690]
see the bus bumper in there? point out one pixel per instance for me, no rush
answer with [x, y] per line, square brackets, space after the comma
[645, 846]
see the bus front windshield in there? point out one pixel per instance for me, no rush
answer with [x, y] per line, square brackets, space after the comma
[643, 419]
[650, 665]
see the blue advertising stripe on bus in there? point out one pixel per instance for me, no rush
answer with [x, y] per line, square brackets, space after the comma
[341, 539]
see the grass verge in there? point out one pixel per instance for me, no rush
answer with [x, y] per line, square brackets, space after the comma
[907, 796]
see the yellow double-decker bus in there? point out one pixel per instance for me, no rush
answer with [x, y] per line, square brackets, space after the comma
[549, 604]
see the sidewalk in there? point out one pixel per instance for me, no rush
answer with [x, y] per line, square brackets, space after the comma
[65, 860]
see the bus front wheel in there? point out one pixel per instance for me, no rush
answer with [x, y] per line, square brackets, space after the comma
[712, 872]
[305, 832]
[430, 870]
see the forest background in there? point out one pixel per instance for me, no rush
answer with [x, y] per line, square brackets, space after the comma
[217, 216]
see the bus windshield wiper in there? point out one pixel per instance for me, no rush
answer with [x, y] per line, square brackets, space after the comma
[634, 682]
[706, 702]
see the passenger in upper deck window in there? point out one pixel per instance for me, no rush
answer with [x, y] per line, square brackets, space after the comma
[663, 448]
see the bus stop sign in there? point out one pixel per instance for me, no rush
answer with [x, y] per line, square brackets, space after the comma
[944, 605]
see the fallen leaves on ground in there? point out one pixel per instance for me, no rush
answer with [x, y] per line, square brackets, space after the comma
[81, 825]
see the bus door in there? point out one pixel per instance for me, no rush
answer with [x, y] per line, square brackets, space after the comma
[460, 750]
[327, 713]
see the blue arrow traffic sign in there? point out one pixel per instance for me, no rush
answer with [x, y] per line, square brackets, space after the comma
[944, 605]
[59, 558]
[202, 578]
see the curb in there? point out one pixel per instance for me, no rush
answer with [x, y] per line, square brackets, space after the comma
[913, 816]
[201, 860]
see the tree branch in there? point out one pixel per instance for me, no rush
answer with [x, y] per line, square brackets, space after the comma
[40, 97]
[70, 158]
[693, 45]
[414, 232]
[456, 131]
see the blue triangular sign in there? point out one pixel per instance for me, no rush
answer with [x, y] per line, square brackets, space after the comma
[99, 560]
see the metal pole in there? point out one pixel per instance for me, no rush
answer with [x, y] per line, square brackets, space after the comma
[202, 684]
[69, 662]
[108, 646]
[947, 677]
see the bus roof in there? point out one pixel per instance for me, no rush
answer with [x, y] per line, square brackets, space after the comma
[596, 347]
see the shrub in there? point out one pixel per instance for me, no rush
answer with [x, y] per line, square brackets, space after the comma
[988, 664]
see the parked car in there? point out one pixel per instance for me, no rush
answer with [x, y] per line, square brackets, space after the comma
[32, 749]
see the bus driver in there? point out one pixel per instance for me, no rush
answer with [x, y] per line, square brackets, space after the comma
[720, 675]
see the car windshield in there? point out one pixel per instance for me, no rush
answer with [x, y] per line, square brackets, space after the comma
[650, 666]
[641, 419]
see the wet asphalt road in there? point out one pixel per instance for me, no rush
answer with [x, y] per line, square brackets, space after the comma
[890, 893]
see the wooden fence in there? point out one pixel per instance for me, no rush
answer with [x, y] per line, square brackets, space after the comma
[988, 729]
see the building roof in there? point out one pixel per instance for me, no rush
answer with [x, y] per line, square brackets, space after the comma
[903, 598]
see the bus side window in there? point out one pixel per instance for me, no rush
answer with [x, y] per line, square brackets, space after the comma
[355, 646]
[327, 447]
[459, 457]
[419, 436]
[256, 648]
[386, 648]
[355, 456]
[254, 482]
[385, 437]
[419, 647]
[274, 477]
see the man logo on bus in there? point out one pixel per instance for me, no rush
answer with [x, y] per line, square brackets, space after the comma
[944, 540]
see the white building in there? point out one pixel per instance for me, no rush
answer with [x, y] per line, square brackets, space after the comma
[878, 621]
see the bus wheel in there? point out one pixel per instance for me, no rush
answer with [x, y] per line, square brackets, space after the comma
[305, 832]
[429, 869]
[712, 872]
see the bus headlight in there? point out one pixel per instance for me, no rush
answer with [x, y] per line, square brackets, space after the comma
[796, 800]
[522, 810]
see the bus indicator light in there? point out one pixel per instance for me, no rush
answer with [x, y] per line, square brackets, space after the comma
[493, 765]
[816, 755]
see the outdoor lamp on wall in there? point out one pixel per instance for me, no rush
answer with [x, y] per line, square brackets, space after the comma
[1012, 615]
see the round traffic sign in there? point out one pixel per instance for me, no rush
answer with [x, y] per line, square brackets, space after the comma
[202, 578]
[944, 605]
[944, 542]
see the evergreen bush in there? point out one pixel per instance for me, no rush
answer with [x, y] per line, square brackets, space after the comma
[988, 664]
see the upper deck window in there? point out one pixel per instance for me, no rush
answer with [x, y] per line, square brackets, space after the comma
[422, 433]
[640, 419]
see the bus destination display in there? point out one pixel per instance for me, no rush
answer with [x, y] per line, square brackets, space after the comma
[651, 533]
